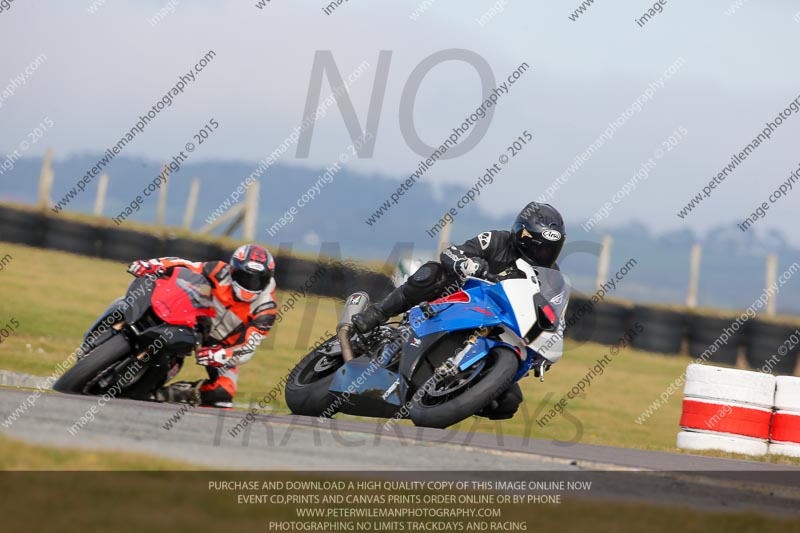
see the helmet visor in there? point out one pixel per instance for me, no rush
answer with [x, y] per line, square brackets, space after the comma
[251, 281]
[537, 251]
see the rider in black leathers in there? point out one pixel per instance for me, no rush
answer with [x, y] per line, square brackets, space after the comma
[537, 236]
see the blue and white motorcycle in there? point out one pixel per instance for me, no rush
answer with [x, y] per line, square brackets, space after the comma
[446, 360]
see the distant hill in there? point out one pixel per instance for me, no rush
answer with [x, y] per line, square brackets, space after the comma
[732, 270]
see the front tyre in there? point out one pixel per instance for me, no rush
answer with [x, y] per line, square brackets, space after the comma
[77, 379]
[443, 403]
[307, 391]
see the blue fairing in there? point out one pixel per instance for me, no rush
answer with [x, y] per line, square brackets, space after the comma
[488, 307]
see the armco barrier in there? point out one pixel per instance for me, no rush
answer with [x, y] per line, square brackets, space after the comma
[22, 226]
[73, 237]
[127, 245]
[196, 250]
[34, 228]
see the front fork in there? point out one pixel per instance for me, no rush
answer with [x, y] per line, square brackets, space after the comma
[467, 356]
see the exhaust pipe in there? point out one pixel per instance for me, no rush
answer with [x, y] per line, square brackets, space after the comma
[343, 334]
[356, 303]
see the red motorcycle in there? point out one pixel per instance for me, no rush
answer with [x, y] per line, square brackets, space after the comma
[139, 343]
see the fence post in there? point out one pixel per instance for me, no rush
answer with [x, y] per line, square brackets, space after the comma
[771, 279]
[100, 199]
[604, 260]
[191, 204]
[251, 211]
[694, 275]
[46, 179]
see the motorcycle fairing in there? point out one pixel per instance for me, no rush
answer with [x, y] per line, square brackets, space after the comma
[482, 346]
[181, 298]
[364, 388]
[98, 338]
[179, 340]
[486, 308]
[414, 348]
[139, 294]
[140, 291]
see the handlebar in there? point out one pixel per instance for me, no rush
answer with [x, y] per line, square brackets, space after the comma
[493, 278]
[510, 273]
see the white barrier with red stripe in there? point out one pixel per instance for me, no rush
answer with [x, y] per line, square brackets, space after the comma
[726, 417]
[730, 384]
[690, 440]
[786, 427]
[726, 409]
[740, 411]
[785, 439]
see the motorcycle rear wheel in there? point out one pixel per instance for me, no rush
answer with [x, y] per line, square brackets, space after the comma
[307, 391]
[436, 409]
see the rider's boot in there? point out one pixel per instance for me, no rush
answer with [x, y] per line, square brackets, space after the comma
[180, 392]
[505, 406]
[377, 314]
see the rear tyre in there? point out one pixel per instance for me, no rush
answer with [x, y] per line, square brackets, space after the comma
[472, 390]
[307, 391]
[76, 379]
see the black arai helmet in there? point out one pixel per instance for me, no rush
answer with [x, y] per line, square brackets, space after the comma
[538, 234]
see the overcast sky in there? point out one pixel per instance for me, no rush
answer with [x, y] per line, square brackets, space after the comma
[104, 69]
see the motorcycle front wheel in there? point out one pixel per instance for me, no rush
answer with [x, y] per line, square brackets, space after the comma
[446, 401]
[77, 380]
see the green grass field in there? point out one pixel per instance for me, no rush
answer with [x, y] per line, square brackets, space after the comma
[55, 296]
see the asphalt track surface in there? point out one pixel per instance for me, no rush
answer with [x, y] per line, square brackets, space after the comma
[281, 442]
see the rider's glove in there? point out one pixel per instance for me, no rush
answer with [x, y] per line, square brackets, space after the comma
[142, 268]
[214, 356]
[472, 267]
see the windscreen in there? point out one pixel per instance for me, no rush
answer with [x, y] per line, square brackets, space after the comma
[195, 286]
